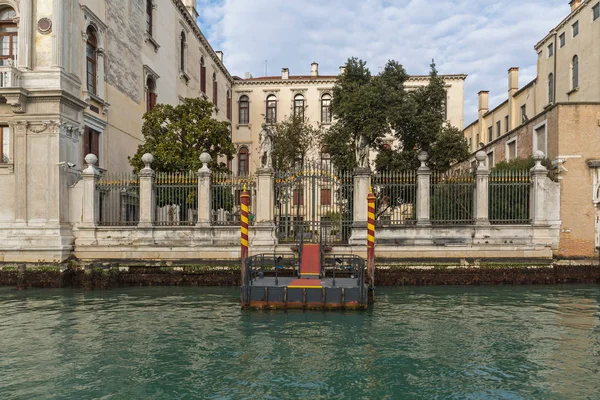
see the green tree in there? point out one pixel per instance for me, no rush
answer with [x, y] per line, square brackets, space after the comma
[419, 123]
[293, 139]
[177, 135]
[360, 112]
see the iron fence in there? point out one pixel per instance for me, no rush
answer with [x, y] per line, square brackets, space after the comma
[452, 195]
[176, 198]
[314, 203]
[509, 197]
[396, 197]
[119, 196]
[226, 198]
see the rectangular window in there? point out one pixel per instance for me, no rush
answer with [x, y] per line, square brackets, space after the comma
[490, 160]
[575, 27]
[562, 39]
[325, 197]
[149, 7]
[91, 143]
[506, 127]
[539, 138]
[4, 144]
[596, 11]
[490, 134]
[498, 128]
[550, 49]
[203, 78]
[511, 150]
[477, 141]
[298, 197]
[524, 113]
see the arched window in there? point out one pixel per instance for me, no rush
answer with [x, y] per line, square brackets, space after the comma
[215, 90]
[271, 109]
[551, 88]
[149, 21]
[299, 106]
[150, 94]
[326, 108]
[575, 72]
[182, 44]
[8, 35]
[244, 108]
[202, 75]
[243, 161]
[91, 58]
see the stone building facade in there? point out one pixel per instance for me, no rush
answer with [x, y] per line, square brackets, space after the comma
[556, 113]
[76, 77]
[272, 99]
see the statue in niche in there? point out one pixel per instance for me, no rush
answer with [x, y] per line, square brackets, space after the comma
[362, 152]
[266, 147]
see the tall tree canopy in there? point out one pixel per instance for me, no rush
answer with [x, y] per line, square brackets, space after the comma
[294, 138]
[376, 107]
[177, 135]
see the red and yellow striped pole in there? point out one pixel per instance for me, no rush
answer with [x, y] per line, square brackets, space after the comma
[371, 238]
[244, 200]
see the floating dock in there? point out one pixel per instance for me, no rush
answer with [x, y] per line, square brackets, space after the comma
[312, 280]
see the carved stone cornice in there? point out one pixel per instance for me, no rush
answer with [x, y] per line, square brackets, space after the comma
[17, 101]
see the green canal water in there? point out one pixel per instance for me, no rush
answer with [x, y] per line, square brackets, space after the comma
[416, 343]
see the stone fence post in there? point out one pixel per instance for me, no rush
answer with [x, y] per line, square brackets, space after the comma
[362, 186]
[264, 229]
[423, 191]
[91, 199]
[539, 175]
[482, 181]
[204, 192]
[147, 193]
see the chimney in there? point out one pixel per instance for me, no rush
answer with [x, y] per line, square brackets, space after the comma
[314, 70]
[484, 97]
[219, 55]
[513, 88]
[247, 75]
[191, 7]
[574, 4]
[342, 69]
[285, 73]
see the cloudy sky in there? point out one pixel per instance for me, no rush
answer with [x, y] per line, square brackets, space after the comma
[480, 38]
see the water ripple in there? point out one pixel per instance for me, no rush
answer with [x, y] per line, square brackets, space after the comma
[186, 343]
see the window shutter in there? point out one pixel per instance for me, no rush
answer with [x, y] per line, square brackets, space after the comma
[153, 97]
[229, 109]
[95, 137]
[86, 143]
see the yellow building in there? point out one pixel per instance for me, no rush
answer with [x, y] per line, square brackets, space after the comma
[556, 113]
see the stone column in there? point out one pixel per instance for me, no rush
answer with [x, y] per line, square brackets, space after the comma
[362, 187]
[204, 192]
[57, 33]
[91, 200]
[481, 199]
[147, 193]
[539, 175]
[25, 34]
[264, 227]
[423, 191]
[264, 201]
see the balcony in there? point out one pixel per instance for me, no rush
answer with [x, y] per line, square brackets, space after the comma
[10, 76]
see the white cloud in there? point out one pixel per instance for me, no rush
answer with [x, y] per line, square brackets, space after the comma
[479, 38]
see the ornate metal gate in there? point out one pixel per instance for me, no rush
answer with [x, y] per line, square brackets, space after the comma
[314, 203]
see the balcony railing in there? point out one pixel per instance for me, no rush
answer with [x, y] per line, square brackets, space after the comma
[10, 76]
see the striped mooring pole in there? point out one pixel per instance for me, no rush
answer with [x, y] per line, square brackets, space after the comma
[371, 238]
[244, 200]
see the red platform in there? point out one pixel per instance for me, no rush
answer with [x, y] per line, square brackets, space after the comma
[311, 260]
[305, 284]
